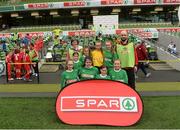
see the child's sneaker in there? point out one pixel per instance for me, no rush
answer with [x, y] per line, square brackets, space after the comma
[10, 79]
[147, 75]
[29, 80]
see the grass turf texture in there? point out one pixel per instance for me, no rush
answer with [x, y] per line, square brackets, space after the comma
[22, 113]
[158, 86]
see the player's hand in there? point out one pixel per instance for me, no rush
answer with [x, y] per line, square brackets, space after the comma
[147, 62]
[135, 68]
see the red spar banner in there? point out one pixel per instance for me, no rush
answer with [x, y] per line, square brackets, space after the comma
[74, 3]
[118, 31]
[171, 1]
[144, 1]
[31, 34]
[81, 33]
[145, 35]
[168, 29]
[38, 5]
[5, 35]
[99, 102]
[111, 2]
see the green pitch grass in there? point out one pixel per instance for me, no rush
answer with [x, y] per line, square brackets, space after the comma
[158, 86]
[36, 113]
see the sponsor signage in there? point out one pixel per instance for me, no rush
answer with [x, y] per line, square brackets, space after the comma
[31, 34]
[97, 3]
[5, 35]
[81, 33]
[118, 31]
[168, 29]
[92, 33]
[88, 101]
[145, 32]
[171, 1]
[50, 5]
[99, 103]
[142, 32]
[145, 35]
[111, 2]
[144, 1]
[38, 5]
[74, 3]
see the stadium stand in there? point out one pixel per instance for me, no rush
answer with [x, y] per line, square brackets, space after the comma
[145, 25]
[42, 28]
[78, 27]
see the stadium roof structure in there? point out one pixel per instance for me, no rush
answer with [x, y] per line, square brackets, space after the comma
[48, 12]
[85, 4]
[93, 7]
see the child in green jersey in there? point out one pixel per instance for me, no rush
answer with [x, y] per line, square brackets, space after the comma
[117, 73]
[103, 73]
[109, 54]
[88, 71]
[69, 75]
[86, 52]
[77, 63]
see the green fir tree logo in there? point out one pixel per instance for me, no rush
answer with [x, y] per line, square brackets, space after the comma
[128, 104]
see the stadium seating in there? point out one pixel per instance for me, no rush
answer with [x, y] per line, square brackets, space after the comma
[142, 25]
[145, 25]
[43, 28]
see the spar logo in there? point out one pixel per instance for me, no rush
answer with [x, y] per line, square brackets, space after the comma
[98, 103]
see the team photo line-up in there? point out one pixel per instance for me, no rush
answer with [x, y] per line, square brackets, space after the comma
[113, 60]
[117, 61]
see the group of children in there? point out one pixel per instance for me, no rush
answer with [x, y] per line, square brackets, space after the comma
[20, 62]
[22, 55]
[92, 63]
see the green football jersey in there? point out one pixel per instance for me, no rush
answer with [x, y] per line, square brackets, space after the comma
[82, 58]
[109, 58]
[68, 77]
[77, 65]
[119, 75]
[99, 76]
[88, 73]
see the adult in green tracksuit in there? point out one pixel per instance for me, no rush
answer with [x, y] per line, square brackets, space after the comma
[103, 73]
[77, 63]
[69, 75]
[117, 73]
[109, 55]
[88, 71]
